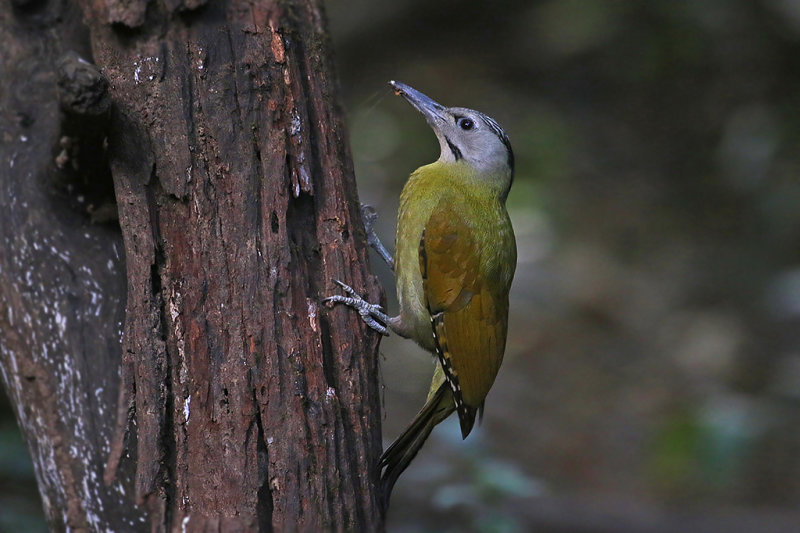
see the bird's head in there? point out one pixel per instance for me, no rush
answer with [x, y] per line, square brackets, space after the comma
[465, 135]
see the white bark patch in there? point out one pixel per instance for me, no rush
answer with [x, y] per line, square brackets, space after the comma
[146, 68]
[174, 303]
[312, 314]
[296, 124]
[186, 403]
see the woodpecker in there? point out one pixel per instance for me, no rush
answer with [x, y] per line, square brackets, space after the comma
[455, 260]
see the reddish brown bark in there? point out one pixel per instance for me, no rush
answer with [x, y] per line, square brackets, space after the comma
[244, 404]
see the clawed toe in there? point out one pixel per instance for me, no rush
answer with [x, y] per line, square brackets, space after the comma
[369, 216]
[369, 312]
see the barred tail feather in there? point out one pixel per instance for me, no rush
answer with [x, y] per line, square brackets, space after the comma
[399, 455]
[466, 414]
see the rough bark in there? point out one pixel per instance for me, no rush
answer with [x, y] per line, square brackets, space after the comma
[233, 401]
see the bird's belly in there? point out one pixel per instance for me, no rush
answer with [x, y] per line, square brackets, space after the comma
[410, 295]
[414, 314]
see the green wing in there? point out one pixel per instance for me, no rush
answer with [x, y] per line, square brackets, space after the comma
[469, 313]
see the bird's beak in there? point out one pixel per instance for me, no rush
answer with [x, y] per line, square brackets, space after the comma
[433, 111]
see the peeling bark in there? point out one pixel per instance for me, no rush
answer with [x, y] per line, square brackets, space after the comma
[234, 401]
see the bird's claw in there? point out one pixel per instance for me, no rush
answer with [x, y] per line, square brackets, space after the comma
[369, 216]
[369, 312]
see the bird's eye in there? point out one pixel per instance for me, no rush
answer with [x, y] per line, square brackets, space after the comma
[466, 124]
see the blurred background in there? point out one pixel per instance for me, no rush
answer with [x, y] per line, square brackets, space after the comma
[652, 374]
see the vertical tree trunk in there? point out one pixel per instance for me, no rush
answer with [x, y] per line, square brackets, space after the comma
[237, 402]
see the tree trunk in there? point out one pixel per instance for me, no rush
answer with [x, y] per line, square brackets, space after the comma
[234, 401]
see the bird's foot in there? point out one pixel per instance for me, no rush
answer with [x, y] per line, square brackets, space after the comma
[372, 314]
[369, 216]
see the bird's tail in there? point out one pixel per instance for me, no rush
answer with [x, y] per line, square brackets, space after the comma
[398, 456]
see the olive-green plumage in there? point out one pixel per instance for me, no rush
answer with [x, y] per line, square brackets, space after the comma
[454, 262]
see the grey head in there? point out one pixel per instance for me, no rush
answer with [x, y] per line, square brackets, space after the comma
[464, 134]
